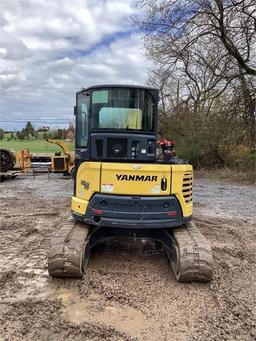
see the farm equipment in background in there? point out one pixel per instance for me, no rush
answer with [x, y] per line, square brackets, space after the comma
[12, 164]
[7, 160]
[23, 160]
[121, 188]
[62, 162]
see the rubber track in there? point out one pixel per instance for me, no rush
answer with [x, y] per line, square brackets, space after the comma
[67, 252]
[195, 255]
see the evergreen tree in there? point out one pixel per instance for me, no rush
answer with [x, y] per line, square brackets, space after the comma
[45, 136]
[29, 130]
[20, 135]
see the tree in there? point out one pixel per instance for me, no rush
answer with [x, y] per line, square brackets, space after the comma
[71, 127]
[1, 134]
[20, 135]
[45, 135]
[29, 130]
[230, 23]
[70, 131]
[24, 133]
[64, 133]
[204, 66]
[59, 134]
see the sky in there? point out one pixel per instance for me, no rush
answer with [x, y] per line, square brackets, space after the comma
[49, 49]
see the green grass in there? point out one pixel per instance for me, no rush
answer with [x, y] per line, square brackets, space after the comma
[37, 146]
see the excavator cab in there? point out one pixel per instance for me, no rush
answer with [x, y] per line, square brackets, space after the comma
[116, 123]
[122, 189]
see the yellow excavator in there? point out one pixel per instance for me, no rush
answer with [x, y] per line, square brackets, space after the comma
[121, 188]
[62, 162]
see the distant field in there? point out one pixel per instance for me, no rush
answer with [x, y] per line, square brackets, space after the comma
[37, 146]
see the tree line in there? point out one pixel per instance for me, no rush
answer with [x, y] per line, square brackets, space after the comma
[30, 133]
[204, 63]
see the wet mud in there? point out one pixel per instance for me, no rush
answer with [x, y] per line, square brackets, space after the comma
[129, 292]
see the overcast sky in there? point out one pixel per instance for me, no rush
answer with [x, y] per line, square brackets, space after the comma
[51, 48]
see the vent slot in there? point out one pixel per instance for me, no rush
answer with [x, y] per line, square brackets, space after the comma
[117, 148]
[187, 187]
[99, 147]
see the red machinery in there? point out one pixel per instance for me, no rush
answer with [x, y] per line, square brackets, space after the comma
[167, 147]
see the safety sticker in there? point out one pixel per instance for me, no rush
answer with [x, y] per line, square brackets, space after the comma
[155, 189]
[107, 187]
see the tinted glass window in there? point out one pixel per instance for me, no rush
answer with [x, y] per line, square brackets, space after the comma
[120, 108]
[83, 105]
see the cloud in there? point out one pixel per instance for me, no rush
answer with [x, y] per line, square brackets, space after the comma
[50, 49]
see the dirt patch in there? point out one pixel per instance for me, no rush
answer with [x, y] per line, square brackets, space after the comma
[43, 320]
[7, 278]
[227, 175]
[128, 293]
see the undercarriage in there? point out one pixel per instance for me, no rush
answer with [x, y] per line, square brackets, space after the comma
[187, 249]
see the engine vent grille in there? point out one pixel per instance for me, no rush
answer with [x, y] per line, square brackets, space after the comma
[117, 148]
[99, 147]
[187, 187]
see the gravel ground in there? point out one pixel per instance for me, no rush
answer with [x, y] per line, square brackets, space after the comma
[127, 294]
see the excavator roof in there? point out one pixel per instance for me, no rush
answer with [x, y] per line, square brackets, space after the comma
[117, 86]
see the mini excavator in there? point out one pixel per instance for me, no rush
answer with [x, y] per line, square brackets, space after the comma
[122, 189]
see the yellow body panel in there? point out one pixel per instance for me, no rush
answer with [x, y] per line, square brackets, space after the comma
[88, 180]
[79, 205]
[53, 159]
[126, 172]
[132, 179]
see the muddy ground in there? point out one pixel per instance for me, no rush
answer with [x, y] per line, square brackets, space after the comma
[127, 294]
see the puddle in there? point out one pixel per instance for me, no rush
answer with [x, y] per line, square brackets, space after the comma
[93, 309]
